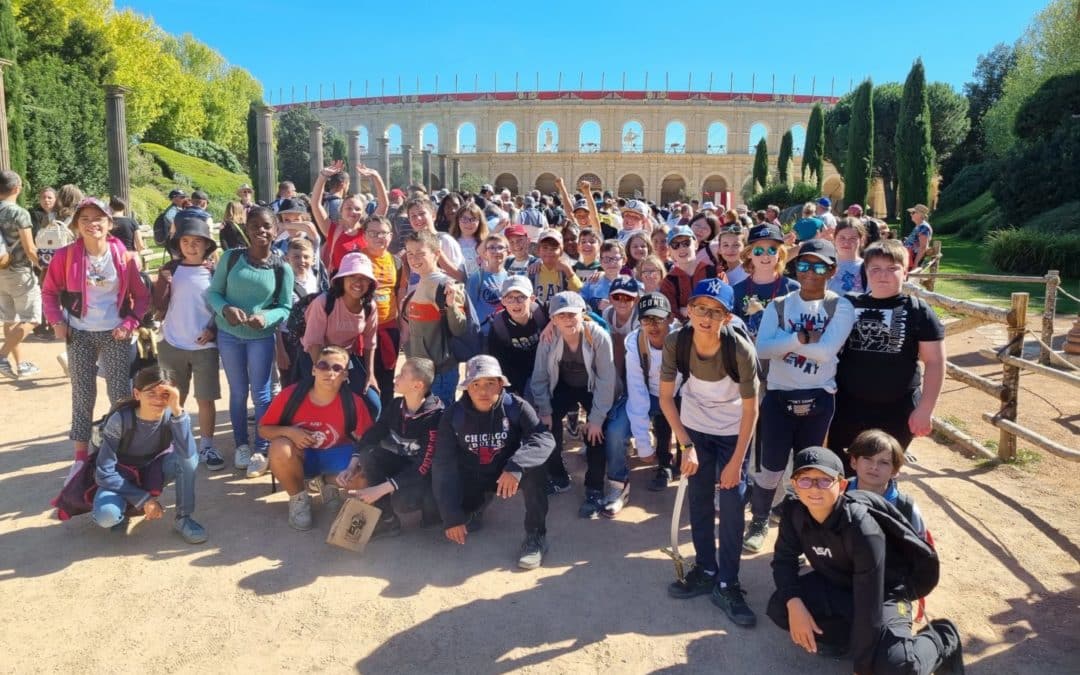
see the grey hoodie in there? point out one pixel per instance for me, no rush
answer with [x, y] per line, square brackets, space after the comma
[599, 362]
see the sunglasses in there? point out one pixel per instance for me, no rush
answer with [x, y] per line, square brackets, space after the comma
[679, 243]
[622, 298]
[805, 483]
[335, 368]
[762, 250]
[819, 268]
[731, 229]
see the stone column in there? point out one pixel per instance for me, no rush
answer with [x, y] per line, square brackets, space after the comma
[406, 163]
[266, 180]
[426, 164]
[5, 150]
[354, 159]
[384, 160]
[315, 149]
[455, 179]
[116, 138]
[442, 171]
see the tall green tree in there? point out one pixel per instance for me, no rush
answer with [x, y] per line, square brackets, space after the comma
[783, 162]
[813, 161]
[981, 93]
[859, 163]
[293, 153]
[914, 151]
[761, 166]
[253, 140]
[13, 88]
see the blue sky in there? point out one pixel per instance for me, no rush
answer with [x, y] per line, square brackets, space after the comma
[286, 47]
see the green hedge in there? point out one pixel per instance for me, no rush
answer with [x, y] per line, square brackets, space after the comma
[211, 152]
[969, 184]
[958, 219]
[1065, 219]
[784, 196]
[1030, 251]
[192, 173]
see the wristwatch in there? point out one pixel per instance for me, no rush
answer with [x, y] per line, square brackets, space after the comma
[686, 446]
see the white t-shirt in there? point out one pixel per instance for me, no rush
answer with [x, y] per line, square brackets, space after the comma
[189, 313]
[793, 365]
[470, 255]
[102, 285]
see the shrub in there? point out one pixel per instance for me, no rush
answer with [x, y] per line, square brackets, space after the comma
[194, 173]
[972, 181]
[1029, 251]
[1040, 175]
[1065, 219]
[784, 196]
[211, 152]
[965, 215]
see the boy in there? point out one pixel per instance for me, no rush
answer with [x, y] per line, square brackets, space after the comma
[20, 294]
[515, 332]
[596, 292]
[553, 275]
[387, 268]
[686, 272]
[520, 259]
[588, 248]
[876, 459]
[878, 380]
[853, 600]
[489, 444]
[484, 286]
[395, 455]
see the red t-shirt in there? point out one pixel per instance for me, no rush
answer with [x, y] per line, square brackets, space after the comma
[327, 422]
[342, 243]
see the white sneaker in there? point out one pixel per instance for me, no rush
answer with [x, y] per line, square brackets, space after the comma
[61, 358]
[212, 459]
[257, 465]
[242, 456]
[27, 368]
[300, 511]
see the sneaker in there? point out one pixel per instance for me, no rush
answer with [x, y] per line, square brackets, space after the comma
[27, 368]
[776, 513]
[661, 480]
[242, 456]
[331, 498]
[756, 533]
[831, 651]
[697, 582]
[730, 599]
[300, 511]
[593, 504]
[557, 486]
[212, 459]
[952, 655]
[532, 551]
[257, 465]
[7, 371]
[192, 532]
[386, 528]
[62, 359]
[615, 498]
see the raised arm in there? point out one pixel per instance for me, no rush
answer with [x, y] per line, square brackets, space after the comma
[322, 218]
[382, 202]
[594, 215]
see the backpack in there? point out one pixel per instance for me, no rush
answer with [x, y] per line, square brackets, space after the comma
[296, 324]
[161, 226]
[303, 388]
[471, 341]
[277, 263]
[914, 559]
[728, 335]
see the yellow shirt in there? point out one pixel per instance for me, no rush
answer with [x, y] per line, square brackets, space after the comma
[386, 294]
[548, 282]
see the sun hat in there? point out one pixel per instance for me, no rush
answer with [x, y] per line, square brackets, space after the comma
[356, 263]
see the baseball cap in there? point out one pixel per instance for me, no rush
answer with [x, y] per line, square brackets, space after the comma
[822, 249]
[519, 283]
[482, 366]
[817, 457]
[654, 304]
[807, 228]
[486, 187]
[244, 188]
[636, 206]
[717, 289]
[824, 202]
[199, 194]
[581, 205]
[708, 206]
[291, 206]
[397, 193]
[566, 302]
[549, 234]
[764, 232]
[516, 230]
[680, 231]
[855, 209]
[625, 284]
[173, 194]
[91, 202]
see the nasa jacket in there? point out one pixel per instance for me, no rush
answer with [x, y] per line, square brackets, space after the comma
[407, 435]
[478, 446]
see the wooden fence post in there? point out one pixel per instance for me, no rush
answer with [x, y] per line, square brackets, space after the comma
[1053, 280]
[1010, 375]
[935, 252]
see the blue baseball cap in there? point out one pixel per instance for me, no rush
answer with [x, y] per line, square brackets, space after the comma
[824, 202]
[566, 301]
[808, 228]
[625, 284]
[680, 231]
[717, 289]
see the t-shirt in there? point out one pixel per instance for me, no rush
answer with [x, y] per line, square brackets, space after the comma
[470, 255]
[848, 277]
[123, 228]
[325, 422]
[548, 282]
[520, 265]
[386, 294]
[484, 289]
[736, 274]
[912, 241]
[342, 242]
[572, 371]
[793, 365]
[451, 251]
[342, 328]
[584, 270]
[751, 299]
[102, 286]
[189, 313]
[518, 355]
[880, 361]
[14, 218]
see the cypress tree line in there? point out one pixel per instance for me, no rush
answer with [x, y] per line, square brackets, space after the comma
[783, 163]
[813, 160]
[859, 164]
[914, 152]
[761, 166]
[13, 91]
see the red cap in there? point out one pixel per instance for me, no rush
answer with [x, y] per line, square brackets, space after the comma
[516, 231]
[397, 192]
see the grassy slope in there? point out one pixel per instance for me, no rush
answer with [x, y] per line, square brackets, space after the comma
[194, 173]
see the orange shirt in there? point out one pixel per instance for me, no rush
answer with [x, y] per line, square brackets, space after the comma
[386, 293]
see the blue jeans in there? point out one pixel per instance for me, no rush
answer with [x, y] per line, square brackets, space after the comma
[247, 365]
[445, 385]
[616, 433]
[109, 507]
[713, 453]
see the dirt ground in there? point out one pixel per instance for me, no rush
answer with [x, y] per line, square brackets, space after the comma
[260, 596]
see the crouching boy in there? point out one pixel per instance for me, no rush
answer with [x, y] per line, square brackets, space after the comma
[490, 442]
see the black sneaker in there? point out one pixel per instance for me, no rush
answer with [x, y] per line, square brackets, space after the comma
[756, 534]
[697, 582]
[532, 551]
[730, 599]
[952, 655]
[386, 528]
[776, 513]
[557, 486]
[593, 504]
[660, 481]
[830, 651]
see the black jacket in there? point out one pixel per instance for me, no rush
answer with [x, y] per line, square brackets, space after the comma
[409, 436]
[478, 446]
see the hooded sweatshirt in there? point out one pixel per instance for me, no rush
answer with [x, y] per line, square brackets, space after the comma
[410, 435]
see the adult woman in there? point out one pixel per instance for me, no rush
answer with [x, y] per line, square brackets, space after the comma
[94, 298]
[251, 294]
[764, 259]
[470, 228]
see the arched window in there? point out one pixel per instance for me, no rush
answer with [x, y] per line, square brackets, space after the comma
[716, 139]
[365, 142]
[429, 137]
[589, 137]
[547, 137]
[633, 137]
[798, 140]
[466, 138]
[757, 132]
[675, 138]
[393, 134]
[506, 137]
[632, 186]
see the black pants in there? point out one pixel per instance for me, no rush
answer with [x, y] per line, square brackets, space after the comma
[385, 376]
[832, 607]
[854, 416]
[563, 400]
[379, 465]
[478, 489]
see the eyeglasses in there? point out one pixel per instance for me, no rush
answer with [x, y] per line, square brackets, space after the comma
[650, 272]
[495, 248]
[653, 320]
[679, 243]
[819, 268]
[467, 219]
[513, 299]
[805, 483]
[622, 298]
[335, 368]
[706, 312]
[762, 250]
[611, 259]
[730, 229]
[377, 233]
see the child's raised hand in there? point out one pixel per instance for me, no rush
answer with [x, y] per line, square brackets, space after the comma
[174, 399]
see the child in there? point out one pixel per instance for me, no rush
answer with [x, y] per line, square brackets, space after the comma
[595, 293]
[188, 346]
[705, 225]
[651, 273]
[729, 247]
[687, 271]
[232, 227]
[638, 247]
[394, 456]
[763, 259]
[848, 238]
[553, 274]
[515, 332]
[570, 234]
[520, 259]
[484, 285]
[854, 599]
[141, 453]
[20, 295]
[659, 239]
[876, 459]
[387, 269]
[300, 255]
[470, 229]
[588, 260]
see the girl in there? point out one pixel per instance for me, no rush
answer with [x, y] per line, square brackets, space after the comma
[705, 225]
[687, 271]
[94, 298]
[638, 247]
[848, 238]
[763, 258]
[446, 218]
[729, 247]
[347, 235]
[470, 228]
[651, 272]
[251, 294]
[659, 238]
[159, 433]
[232, 228]
[485, 284]
[570, 234]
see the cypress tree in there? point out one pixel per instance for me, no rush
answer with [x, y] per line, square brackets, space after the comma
[761, 166]
[859, 164]
[783, 164]
[13, 92]
[813, 161]
[914, 152]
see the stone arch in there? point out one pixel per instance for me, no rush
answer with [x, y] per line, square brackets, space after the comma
[798, 139]
[429, 137]
[545, 183]
[633, 137]
[716, 139]
[393, 134]
[507, 181]
[547, 136]
[712, 187]
[466, 138]
[675, 138]
[364, 140]
[631, 185]
[672, 188]
[758, 131]
[594, 181]
[833, 188]
[506, 137]
[589, 137]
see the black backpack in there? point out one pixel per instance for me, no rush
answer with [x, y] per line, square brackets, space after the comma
[303, 388]
[161, 227]
[728, 334]
[908, 556]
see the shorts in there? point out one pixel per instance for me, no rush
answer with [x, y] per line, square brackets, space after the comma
[203, 364]
[329, 461]
[20, 296]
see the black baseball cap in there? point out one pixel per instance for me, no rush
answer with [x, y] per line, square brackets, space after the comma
[200, 195]
[291, 206]
[654, 304]
[765, 233]
[819, 248]
[173, 194]
[817, 457]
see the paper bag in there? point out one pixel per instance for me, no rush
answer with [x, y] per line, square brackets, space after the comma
[354, 524]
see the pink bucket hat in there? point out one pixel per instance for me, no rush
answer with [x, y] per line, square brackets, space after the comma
[356, 263]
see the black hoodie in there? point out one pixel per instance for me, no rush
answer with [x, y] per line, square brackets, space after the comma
[407, 435]
[481, 445]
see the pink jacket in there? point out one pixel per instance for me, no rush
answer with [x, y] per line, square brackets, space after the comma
[65, 284]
